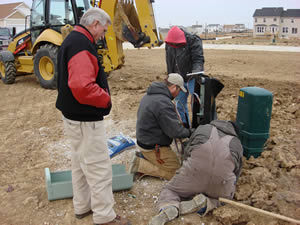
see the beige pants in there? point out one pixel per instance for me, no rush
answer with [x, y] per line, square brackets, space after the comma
[91, 169]
[151, 165]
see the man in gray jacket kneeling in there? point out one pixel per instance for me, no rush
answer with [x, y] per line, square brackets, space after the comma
[157, 125]
[212, 166]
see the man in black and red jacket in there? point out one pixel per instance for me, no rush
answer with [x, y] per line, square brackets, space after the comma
[84, 99]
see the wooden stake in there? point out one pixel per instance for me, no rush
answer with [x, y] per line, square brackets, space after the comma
[241, 205]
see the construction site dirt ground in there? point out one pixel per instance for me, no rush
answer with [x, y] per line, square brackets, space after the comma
[32, 139]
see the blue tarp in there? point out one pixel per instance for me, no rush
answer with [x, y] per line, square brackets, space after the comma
[118, 144]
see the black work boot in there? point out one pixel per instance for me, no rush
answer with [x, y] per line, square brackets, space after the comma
[81, 216]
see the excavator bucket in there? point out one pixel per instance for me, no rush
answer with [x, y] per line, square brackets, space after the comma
[132, 21]
[126, 16]
[126, 24]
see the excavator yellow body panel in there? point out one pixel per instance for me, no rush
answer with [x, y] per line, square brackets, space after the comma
[113, 57]
[47, 36]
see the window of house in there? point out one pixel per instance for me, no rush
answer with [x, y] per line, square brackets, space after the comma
[255, 20]
[294, 30]
[260, 29]
[281, 20]
[275, 19]
[292, 20]
[264, 20]
[273, 29]
[285, 30]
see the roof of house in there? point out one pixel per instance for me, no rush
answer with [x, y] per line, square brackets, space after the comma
[291, 13]
[7, 9]
[277, 12]
[228, 25]
[196, 26]
[268, 12]
[213, 25]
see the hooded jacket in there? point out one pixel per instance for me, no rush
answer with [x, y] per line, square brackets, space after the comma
[186, 56]
[157, 120]
[212, 167]
[202, 134]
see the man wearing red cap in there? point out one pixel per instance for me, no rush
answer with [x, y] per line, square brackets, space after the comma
[184, 54]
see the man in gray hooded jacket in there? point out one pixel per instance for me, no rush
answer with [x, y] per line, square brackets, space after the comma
[212, 165]
[157, 125]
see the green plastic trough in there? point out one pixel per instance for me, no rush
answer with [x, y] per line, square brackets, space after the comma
[59, 183]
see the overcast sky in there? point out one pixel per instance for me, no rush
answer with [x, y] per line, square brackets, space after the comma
[190, 12]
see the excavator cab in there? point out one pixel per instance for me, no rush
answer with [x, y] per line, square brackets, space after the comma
[35, 49]
[54, 14]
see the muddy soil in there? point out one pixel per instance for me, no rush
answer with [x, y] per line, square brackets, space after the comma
[32, 139]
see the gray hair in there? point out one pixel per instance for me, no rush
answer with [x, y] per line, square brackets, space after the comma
[93, 14]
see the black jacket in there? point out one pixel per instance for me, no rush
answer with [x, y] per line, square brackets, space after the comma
[186, 59]
[83, 92]
[157, 120]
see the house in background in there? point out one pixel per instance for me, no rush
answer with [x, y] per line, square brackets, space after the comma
[239, 27]
[277, 21]
[228, 28]
[234, 28]
[195, 29]
[213, 28]
[14, 15]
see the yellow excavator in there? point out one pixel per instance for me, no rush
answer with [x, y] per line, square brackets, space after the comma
[35, 50]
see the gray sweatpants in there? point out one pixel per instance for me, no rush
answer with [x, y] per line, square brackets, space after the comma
[207, 171]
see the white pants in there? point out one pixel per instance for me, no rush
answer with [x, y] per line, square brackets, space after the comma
[91, 169]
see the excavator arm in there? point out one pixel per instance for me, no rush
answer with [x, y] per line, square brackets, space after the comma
[132, 21]
[147, 22]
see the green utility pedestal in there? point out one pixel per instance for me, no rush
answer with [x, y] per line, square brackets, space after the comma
[253, 117]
